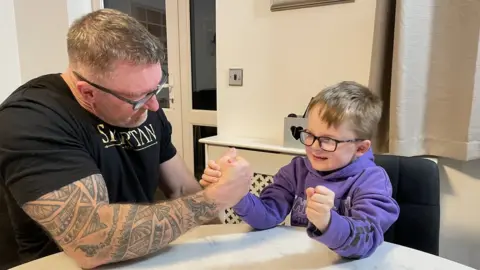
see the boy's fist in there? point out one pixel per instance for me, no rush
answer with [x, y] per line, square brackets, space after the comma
[320, 201]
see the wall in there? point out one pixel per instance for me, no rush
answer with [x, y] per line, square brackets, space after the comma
[288, 56]
[460, 217]
[41, 30]
[34, 38]
[10, 65]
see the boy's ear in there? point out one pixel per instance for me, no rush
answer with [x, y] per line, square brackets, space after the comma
[362, 147]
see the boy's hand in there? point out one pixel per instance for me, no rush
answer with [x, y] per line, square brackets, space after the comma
[319, 204]
[212, 173]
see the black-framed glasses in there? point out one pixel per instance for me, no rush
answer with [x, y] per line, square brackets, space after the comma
[326, 143]
[135, 103]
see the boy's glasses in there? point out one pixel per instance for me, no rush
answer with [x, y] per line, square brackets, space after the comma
[326, 143]
[135, 103]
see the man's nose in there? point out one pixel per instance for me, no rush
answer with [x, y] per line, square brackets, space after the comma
[152, 104]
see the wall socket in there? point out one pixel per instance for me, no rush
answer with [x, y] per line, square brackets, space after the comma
[235, 77]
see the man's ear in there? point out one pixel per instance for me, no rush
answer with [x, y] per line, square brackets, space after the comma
[86, 91]
[362, 147]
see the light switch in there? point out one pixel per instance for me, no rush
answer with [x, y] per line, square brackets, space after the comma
[235, 77]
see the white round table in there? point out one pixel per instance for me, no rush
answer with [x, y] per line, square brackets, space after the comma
[220, 247]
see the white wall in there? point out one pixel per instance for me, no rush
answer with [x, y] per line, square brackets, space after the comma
[41, 30]
[34, 38]
[289, 56]
[77, 8]
[460, 216]
[10, 64]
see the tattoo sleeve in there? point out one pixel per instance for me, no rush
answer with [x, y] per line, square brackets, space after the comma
[88, 228]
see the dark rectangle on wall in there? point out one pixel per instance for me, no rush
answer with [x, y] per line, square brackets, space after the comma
[203, 54]
[280, 5]
[199, 162]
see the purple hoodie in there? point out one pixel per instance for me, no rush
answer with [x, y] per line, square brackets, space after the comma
[364, 205]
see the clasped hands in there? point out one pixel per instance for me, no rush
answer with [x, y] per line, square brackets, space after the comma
[232, 182]
[320, 200]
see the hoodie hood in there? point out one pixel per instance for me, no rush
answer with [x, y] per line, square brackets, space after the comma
[354, 168]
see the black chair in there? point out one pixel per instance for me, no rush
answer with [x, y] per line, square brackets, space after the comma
[416, 187]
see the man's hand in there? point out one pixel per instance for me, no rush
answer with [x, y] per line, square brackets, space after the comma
[319, 204]
[212, 173]
[234, 183]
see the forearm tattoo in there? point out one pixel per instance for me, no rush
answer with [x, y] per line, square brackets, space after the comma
[80, 219]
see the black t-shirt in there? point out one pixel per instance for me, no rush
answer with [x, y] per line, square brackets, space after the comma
[47, 141]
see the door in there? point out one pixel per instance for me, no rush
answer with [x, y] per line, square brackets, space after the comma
[198, 77]
[187, 30]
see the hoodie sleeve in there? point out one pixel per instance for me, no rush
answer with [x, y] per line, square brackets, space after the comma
[274, 203]
[373, 210]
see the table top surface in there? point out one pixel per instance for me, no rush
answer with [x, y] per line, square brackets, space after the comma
[239, 247]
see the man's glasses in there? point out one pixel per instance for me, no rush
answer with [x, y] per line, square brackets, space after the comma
[326, 143]
[137, 104]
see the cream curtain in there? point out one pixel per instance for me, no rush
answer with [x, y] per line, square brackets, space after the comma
[432, 105]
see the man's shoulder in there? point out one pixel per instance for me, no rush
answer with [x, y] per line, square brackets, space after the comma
[39, 90]
[37, 96]
[43, 104]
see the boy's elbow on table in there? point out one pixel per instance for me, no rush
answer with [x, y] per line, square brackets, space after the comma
[361, 247]
[354, 238]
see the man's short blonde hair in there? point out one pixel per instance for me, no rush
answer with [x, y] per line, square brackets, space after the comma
[349, 102]
[104, 37]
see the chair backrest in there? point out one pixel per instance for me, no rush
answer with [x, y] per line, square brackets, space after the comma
[416, 188]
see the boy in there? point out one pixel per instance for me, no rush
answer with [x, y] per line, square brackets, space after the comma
[337, 191]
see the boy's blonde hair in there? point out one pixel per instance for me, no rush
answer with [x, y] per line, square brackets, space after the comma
[349, 102]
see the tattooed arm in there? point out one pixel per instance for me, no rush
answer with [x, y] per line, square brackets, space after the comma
[94, 232]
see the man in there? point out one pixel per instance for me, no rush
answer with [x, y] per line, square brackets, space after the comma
[82, 153]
